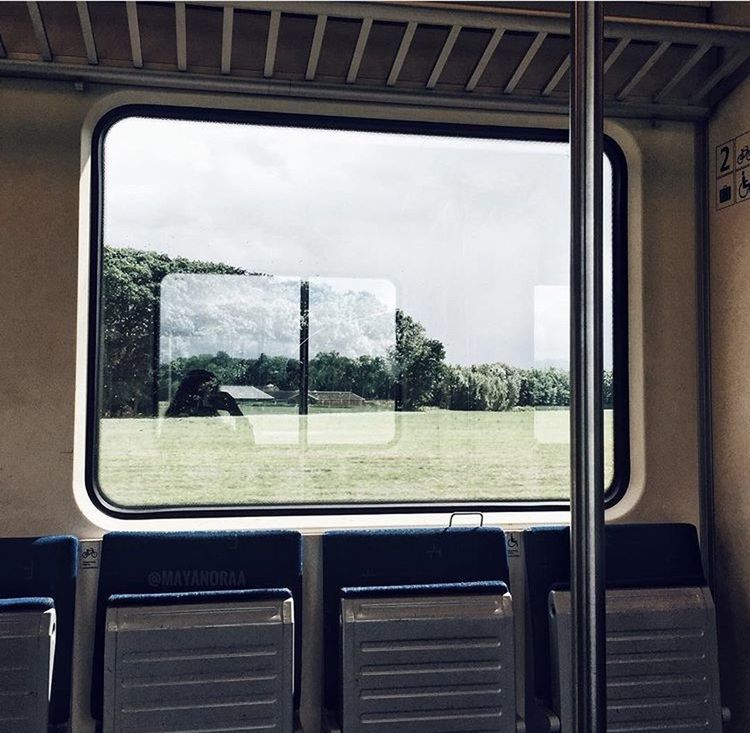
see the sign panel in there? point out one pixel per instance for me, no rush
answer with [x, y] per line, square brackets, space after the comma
[733, 171]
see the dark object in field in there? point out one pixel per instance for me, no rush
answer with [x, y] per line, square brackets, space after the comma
[199, 395]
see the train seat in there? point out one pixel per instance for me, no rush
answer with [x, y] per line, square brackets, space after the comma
[418, 631]
[37, 606]
[198, 630]
[662, 656]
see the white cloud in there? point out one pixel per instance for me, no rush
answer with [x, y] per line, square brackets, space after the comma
[465, 229]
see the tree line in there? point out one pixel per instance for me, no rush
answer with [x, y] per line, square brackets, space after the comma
[414, 373]
[369, 377]
[493, 387]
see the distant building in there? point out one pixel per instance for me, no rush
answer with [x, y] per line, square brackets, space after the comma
[270, 394]
[314, 397]
[285, 396]
[336, 399]
[247, 393]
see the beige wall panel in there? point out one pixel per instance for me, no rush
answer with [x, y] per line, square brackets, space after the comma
[730, 324]
[662, 313]
[40, 162]
[730, 343]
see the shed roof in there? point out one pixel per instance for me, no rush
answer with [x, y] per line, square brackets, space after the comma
[246, 392]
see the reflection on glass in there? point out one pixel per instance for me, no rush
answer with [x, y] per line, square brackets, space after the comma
[240, 336]
[327, 316]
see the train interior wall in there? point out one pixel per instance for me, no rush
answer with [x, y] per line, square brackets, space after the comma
[44, 128]
[730, 343]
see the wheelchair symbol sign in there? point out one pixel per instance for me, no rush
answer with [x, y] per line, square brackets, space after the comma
[513, 544]
[743, 185]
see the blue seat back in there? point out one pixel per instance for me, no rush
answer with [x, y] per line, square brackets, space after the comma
[636, 556]
[145, 563]
[46, 567]
[414, 557]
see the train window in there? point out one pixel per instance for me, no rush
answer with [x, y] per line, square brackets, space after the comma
[335, 315]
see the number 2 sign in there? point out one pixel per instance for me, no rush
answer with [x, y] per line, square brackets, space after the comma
[724, 159]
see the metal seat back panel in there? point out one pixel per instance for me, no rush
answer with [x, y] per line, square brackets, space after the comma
[46, 567]
[386, 558]
[662, 660]
[218, 665]
[27, 648]
[429, 664]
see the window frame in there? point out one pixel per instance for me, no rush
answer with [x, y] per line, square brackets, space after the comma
[620, 390]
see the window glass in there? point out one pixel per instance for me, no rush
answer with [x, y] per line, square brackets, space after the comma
[303, 316]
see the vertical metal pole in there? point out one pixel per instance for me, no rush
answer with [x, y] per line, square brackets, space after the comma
[705, 416]
[587, 454]
[304, 357]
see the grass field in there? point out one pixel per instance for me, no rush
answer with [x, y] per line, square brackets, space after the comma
[349, 456]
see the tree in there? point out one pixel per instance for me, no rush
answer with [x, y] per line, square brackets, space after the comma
[130, 297]
[547, 387]
[417, 363]
[281, 371]
[493, 387]
[373, 378]
[329, 371]
[368, 376]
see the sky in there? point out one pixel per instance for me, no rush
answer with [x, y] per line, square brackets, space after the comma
[469, 237]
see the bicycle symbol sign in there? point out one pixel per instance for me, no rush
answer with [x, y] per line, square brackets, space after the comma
[89, 555]
[733, 171]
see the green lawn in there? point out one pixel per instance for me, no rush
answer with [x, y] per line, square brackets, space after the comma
[349, 456]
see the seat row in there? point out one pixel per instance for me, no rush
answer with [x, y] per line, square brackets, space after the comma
[202, 631]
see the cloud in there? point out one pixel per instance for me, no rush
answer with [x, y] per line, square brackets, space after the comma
[465, 229]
